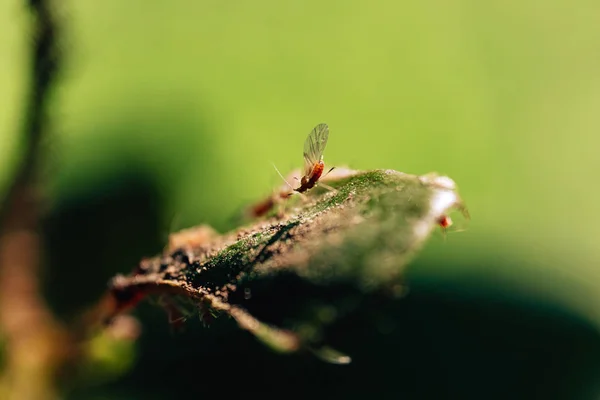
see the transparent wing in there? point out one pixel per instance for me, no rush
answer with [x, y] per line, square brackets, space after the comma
[314, 146]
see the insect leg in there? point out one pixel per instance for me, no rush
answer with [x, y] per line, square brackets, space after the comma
[331, 189]
[330, 169]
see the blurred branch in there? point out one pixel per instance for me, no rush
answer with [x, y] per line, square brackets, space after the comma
[35, 343]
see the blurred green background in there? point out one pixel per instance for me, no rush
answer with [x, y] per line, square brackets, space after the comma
[201, 96]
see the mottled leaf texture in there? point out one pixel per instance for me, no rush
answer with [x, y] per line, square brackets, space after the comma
[288, 278]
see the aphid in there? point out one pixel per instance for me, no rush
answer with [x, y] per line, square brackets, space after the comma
[444, 221]
[264, 206]
[313, 157]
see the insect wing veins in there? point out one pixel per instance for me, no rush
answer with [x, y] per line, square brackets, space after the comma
[314, 146]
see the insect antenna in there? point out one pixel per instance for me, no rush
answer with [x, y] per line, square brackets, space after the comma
[291, 187]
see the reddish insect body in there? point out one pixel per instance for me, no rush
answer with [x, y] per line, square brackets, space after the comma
[313, 157]
[260, 209]
[309, 181]
[444, 221]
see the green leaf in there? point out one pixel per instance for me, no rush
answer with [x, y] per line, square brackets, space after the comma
[288, 279]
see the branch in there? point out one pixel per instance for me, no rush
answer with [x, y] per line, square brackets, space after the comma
[33, 338]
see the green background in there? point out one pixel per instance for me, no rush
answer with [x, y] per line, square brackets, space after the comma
[201, 97]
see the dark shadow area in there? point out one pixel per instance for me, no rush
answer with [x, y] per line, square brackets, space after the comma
[440, 341]
[113, 195]
[99, 233]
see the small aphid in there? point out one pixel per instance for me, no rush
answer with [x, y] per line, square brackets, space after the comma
[444, 221]
[263, 207]
[313, 157]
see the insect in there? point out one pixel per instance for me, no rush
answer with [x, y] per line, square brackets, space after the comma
[444, 221]
[313, 159]
[313, 172]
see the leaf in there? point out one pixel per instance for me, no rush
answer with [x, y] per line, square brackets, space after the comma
[289, 279]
